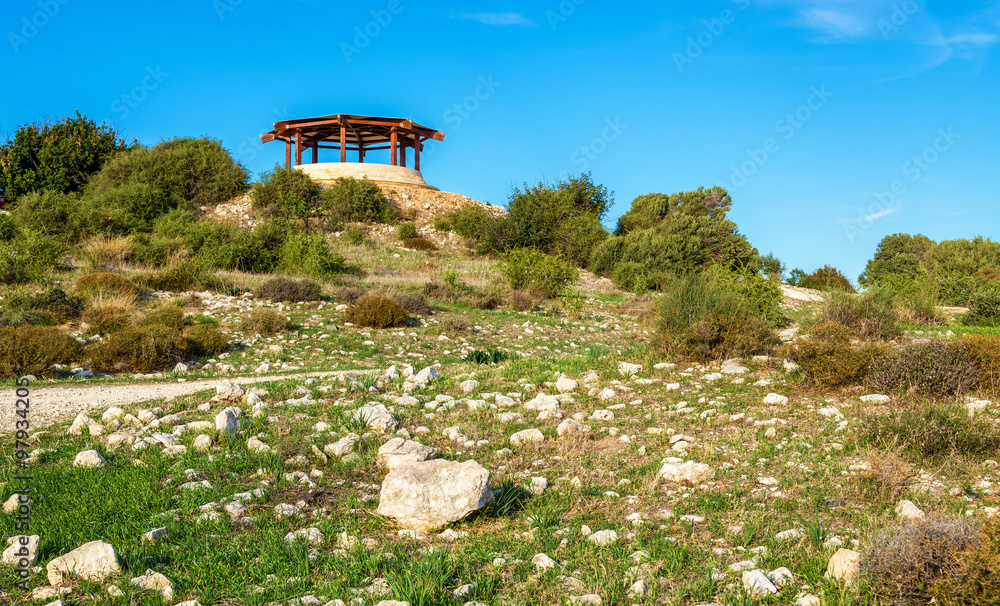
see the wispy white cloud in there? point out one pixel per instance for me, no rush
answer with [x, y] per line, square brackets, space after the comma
[833, 21]
[501, 19]
[878, 215]
[972, 39]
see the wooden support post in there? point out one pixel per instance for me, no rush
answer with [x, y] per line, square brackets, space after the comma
[393, 141]
[361, 152]
[343, 142]
[416, 153]
[288, 155]
[316, 152]
[298, 147]
[402, 153]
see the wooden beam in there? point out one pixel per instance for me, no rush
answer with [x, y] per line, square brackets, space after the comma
[288, 154]
[393, 141]
[298, 148]
[402, 153]
[343, 142]
[315, 153]
[416, 154]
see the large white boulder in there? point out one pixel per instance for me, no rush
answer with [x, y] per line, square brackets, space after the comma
[398, 451]
[93, 561]
[22, 551]
[429, 495]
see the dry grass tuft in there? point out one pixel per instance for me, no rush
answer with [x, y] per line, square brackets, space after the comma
[889, 474]
[108, 252]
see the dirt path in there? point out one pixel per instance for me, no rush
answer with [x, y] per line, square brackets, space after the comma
[53, 404]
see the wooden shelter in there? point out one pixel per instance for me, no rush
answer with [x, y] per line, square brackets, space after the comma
[352, 133]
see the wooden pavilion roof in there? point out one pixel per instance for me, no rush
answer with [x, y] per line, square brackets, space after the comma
[368, 131]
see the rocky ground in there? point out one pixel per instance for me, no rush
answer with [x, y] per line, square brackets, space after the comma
[582, 469]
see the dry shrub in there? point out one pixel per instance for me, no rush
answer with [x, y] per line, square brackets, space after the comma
[205, 340]
[487, 300]
[872, 316]
[264, 321]
[640, 307]
[985, 351]
[108, 252]
[888, 476]
[108, 318]
[168, 315]
[907, 560]
[727, 335]
[104, 282]
[975, 578]
[139, 349]
[521, 300]
[419, 244]
[934, 430]
[829, 357]
[377, 311]
[452, 323]
[937, 368]
[289, 290]
[414, 304]
[34, 349]
[348, 294]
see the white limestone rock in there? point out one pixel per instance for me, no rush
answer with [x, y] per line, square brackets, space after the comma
[429, 495]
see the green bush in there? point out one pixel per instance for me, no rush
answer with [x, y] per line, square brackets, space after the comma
[106, 282]
[50, 213]
[30, 258]
[168, 315]
[355, 236]
[489, 356]
[533, 270]
[8, 227]
[289, 290]
[264, 321]
[561, 219]
[34, 349]
[898, 257]
[358, 201]
[377, 311]
[709, 318]
[288, 193]
[190, 172]
[633, 277]
[937, 368]
[441, 223]
[826, 278]
[309, 255]
[406, 230]
[934, 430]
[985, 307]
[468, 221]
[205, 340]
[234, 248]
[419, 244]
[828, 357]
[872, 316]
[140, 349]
[179, 278]
[56, 157]
[52, 306]
[107, 319]
[126, 209]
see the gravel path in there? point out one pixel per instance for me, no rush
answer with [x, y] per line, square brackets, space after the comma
[54, 404]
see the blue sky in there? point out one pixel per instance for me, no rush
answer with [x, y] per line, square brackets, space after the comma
[831, 122]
